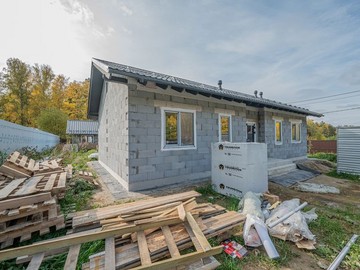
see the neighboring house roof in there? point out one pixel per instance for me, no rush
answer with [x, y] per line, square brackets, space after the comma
[102, 70]
[82, 127]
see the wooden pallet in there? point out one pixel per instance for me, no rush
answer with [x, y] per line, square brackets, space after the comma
[88, 176]
[20, 217]
[19, 166]
[54, 183]
[37, 251]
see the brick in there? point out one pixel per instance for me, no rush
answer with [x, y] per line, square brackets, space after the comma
[146, 168]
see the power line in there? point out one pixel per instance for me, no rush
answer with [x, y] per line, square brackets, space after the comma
[351, 109]
[346, 93]
[333, 99]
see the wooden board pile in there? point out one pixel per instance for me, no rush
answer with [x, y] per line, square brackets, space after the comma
[146, 234]
[17, 165]
[29, 193]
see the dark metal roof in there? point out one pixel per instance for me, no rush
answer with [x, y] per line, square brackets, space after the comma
[85, 127]
[110, 70]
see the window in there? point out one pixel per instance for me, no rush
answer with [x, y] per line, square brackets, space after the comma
[251, 132]
[225, 128]
[178, 129]
[295, 132]
[278, 132]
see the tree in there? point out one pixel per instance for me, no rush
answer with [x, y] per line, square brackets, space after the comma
[76, 99]
[320, 131]
[58, 88]
[42, 76]
[54, 121]
[16, 82]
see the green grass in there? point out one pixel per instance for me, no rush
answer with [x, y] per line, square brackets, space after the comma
[328, 156]
[347, 176]
[77, 159]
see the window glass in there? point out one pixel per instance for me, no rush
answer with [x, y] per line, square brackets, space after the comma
[187, 128]
[225, 128]
[171, 127]
[278, 131]
[295, 132]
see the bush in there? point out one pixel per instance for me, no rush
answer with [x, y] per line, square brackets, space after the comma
[328, 156]
[53, 121]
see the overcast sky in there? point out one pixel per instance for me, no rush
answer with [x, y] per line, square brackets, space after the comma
[290, 50]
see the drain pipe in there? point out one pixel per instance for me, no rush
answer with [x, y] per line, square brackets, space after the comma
[276, 222]
[335, 264]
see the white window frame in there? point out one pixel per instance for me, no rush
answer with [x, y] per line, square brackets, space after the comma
[281, 131]
[297, 123]
[230, 125]
[164, 146]
[256, 129]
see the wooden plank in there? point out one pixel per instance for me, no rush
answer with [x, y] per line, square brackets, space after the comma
[110, 253]
[50, 183]
[36, 166]
[31, 165]
[14, 156]
[5, 192]
[36, 261]
[181, 212]
[178, 261]
[143, 249]
[62, 180]
[23, 160]
[13, 172]
[29, 186]
[78, 239]
[170, 242]
[14, 203]
[193, 238]
[198, 232]
[72, 257]
[91, 217]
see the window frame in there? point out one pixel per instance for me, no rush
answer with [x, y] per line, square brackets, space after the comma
[297, 123]
[281, 131]
[230, 126]
[172, 147]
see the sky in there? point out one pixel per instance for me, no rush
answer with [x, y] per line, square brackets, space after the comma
[289, 50]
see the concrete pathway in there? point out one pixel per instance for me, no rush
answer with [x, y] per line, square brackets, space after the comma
[120, 193]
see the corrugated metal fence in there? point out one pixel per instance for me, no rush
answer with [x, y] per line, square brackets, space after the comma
[326, 146]
[348, 150]
[14, 137]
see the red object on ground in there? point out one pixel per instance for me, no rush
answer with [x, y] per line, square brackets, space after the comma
[234, 249]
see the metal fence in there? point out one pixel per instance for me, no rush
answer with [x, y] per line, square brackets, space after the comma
[326, 146]
[348, 150]
[14, 137]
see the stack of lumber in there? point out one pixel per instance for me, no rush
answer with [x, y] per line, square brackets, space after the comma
[88, 176]
[29, 193]
[17, 165]
[146, 234]
[22, 216]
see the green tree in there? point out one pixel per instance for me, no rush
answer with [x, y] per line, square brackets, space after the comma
[58, 88]
[16, 80]
[76, 99]
[42, 77]
[54, 121]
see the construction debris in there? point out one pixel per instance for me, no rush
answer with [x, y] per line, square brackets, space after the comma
[29, 193]
[316, 188]
[141, 235]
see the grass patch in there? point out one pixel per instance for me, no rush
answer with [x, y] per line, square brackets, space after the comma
[211, 196]
[77, 159]
[328, 156]
[347, 176]
[333, 229]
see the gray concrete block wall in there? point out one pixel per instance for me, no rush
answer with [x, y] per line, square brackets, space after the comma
[114, 129]
[148, 165]
[287, 149]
